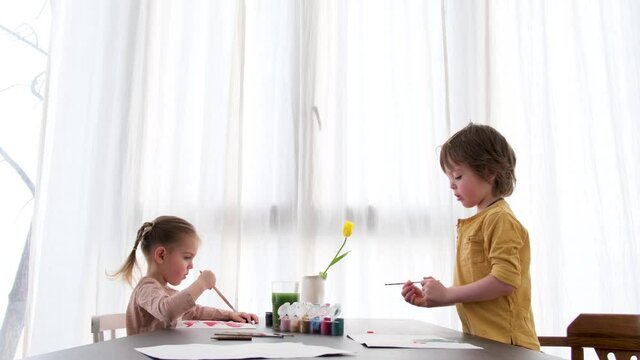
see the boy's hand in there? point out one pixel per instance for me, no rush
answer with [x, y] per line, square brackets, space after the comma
[412, 294]
[207, 279]
[244, 317]
[434, 293]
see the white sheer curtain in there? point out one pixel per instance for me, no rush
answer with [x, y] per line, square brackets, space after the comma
[269, 125]
[568, 95]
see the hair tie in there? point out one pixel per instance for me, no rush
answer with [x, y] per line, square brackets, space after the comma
[144, 230]
[148, 226]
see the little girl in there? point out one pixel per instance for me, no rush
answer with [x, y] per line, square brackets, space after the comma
[169, 244]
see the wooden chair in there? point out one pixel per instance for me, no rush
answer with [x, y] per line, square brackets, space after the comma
[617, 334]
[102, 323]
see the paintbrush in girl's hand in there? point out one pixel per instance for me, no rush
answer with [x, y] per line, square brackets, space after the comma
[402, 283]
[222, 297]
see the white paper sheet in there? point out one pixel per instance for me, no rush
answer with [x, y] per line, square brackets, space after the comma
[409, 341]
[279, 350]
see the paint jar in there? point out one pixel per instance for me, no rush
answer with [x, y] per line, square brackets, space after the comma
[337, 327]
[315, 325]
[325, 326]
[268, 319]
[285, 323]
[294, 326]
[305, 325]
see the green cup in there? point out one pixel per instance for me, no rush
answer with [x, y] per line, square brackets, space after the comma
[283, 292]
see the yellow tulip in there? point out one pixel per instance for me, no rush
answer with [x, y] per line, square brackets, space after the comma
[346, 229]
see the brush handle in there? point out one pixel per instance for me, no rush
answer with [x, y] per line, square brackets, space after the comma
[224, 299]
[401, 283]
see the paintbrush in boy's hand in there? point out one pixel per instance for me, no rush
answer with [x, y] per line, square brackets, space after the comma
[402, 283]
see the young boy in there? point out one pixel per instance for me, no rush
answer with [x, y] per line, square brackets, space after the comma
[492, 285]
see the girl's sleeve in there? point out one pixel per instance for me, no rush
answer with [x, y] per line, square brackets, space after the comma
[206, 313]
[154, 299]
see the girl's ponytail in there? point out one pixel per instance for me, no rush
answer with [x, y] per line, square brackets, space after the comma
[126, 270]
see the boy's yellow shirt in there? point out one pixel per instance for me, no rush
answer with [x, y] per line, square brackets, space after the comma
[494, 242]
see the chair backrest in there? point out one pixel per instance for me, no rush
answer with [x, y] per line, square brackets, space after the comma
[102, 323]
[617, 334]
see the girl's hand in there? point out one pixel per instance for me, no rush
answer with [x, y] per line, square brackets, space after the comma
[412, 294]
[244, 317]
[207, 279]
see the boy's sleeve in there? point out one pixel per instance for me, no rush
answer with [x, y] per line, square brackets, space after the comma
[504, 241]
[153, 298]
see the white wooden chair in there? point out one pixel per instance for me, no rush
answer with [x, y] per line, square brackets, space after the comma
[110, 322]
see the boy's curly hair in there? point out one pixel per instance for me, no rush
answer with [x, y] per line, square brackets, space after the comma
[486, 152]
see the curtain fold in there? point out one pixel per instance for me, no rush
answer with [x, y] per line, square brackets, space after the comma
[268, 126]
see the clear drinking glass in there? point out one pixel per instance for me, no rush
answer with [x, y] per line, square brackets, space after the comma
[283, 292]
